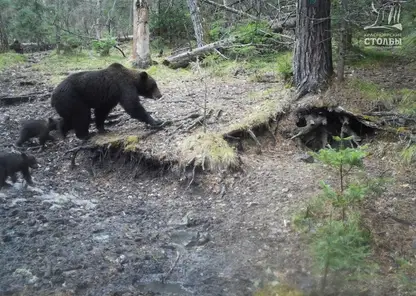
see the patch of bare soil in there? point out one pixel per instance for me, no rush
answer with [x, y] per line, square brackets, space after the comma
[98, 230]
[113, 234]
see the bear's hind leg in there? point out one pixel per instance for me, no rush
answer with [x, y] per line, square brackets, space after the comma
[81, 123]
[64, 126]
[100, 117]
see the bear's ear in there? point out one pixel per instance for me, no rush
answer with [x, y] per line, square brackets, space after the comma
[143, 75]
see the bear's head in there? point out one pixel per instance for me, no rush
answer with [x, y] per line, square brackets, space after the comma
[147, 87]
[52, 124]
[30, 161]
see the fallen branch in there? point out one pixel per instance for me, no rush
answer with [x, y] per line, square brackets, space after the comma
[253, 136]
[312, 122]
[75, 151]
[233, 10]
[183, 59]
[120, 50]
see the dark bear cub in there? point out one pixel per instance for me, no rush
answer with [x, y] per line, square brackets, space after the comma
[12, 163]
[37, 128]
[101, 91]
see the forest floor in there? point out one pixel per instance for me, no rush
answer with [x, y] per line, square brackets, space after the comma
[107, 230]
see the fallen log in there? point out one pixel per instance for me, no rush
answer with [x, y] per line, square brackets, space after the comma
[233, 10]
[23, 98]
[182, 60]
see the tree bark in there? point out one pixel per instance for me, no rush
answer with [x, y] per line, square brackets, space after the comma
[312, 59]
[98, 20]
[141, 38]
[196, 21]
[4, 40]
[342, 50]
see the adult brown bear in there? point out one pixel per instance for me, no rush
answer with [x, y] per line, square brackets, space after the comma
[102, 90]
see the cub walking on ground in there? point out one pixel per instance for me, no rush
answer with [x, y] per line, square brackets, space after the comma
[11, 163]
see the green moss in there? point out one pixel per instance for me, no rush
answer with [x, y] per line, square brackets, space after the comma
[111, 140]
[131, 143]
[9, 58]
[408, 101]
[370, 90]
[208, 150]
[370, 57]
[285, 65]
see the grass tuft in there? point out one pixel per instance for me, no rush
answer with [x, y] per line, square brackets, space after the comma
[279, 289]
[114, 140]
[371, 57]
[208, 150]
[284, 65]
[9, 58]
[59, 66]
[260, 115]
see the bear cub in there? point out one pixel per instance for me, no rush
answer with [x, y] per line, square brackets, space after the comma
[39, 128]
[11, 163]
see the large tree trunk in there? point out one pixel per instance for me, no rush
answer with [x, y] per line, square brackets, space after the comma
[141, 38]
[196, 21]
[342, 50]
[4, 40]
[312, 59]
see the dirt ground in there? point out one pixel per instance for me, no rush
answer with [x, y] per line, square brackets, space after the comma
[113, 234]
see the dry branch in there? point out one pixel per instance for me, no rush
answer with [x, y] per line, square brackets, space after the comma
[233, 10]
[183, 59]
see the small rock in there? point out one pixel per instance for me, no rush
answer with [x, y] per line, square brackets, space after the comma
[305, 158]
[414, 244]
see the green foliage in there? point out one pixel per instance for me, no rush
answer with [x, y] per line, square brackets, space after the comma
[285, 65]
[29, 21]
[338, 242]
[408, 154]
[256, 37]
[9, 58]
[340, 245]
[170, 24]
[338, 159]
[103, 46]
[370, 57]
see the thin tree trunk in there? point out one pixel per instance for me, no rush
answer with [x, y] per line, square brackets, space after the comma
[4, 40]
[342, 41]
[98, 20]
[196, 21]
[141, 38]
[57, 27]
[228, 15]
[312, 59]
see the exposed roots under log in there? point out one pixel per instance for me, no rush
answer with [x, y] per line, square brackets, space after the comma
[316, 127]
[101, 153]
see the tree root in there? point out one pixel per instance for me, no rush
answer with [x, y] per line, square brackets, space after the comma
[316, 127]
